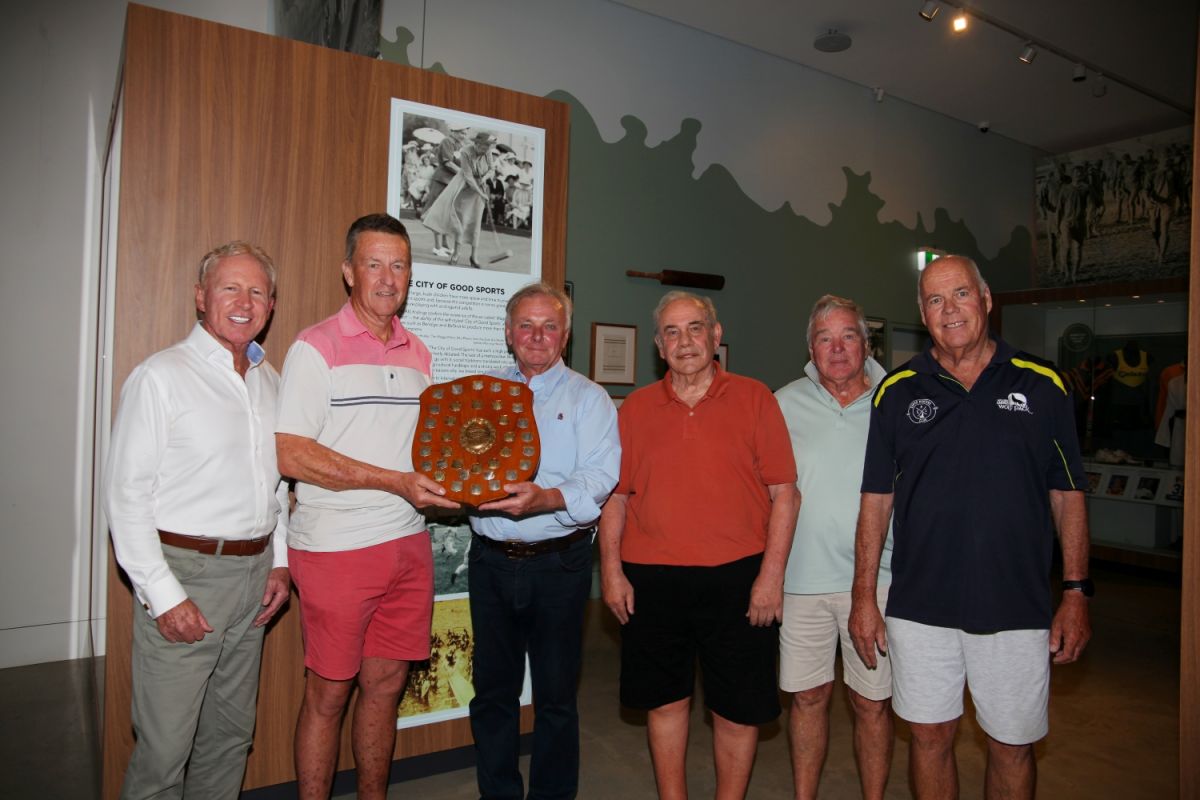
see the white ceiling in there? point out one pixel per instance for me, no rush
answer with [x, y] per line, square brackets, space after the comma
[975, 76]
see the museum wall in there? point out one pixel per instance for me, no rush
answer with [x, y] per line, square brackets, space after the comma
[691, 152]
[687, 152]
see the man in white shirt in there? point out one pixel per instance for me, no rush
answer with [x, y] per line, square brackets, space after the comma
[198, 516]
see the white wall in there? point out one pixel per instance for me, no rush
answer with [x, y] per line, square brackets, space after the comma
[59, 59]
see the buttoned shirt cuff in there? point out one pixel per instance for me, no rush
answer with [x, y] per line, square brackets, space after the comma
[280, 535]
[162, 595]
[581, 509]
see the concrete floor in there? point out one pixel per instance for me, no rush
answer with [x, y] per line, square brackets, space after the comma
[1113, 721]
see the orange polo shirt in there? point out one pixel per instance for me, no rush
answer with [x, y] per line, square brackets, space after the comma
[696, 478]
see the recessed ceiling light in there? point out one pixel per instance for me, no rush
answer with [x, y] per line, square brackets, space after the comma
[960, 22]
[1136, 296]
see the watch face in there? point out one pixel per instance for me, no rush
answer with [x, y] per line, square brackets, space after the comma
[1085, 586]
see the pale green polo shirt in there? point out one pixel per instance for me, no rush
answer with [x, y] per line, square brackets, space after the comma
[830, 443]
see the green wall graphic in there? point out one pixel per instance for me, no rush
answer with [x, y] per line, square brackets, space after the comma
[637, 206]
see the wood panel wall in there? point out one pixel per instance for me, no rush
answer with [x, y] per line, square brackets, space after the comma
[230, 134]
[1189, 635]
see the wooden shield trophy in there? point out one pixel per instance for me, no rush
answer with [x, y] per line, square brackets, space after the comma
[476, 434]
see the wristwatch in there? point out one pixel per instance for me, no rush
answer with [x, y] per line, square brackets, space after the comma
[1086, 586]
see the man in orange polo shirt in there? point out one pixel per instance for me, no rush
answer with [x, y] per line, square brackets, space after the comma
[693, 546]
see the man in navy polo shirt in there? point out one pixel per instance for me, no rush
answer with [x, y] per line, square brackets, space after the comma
[973, 445]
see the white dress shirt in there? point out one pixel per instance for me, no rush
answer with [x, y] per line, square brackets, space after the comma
[193, 452]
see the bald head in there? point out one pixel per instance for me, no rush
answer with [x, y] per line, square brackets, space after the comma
[948, 262]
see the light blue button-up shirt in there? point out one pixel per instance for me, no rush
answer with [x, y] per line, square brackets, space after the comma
[581, 455]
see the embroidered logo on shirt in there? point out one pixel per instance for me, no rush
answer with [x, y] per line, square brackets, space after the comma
[1014, 402]
[921, 411]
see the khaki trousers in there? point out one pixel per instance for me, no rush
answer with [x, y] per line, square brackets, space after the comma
[194, 704]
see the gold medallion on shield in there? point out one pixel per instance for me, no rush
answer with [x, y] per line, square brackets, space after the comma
[476, 434]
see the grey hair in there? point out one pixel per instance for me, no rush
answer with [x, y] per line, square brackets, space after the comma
[972, 267]
[705, 303]
[541, 289]
[829, 303]
[238, 248]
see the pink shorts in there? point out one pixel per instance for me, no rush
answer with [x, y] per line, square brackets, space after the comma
[375, 602]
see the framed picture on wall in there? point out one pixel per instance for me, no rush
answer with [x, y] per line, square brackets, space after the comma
[877, 339]
[722, 356]
[1095, 478]
[614, 353]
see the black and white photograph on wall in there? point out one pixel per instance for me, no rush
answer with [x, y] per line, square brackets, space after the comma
[1116, 212]
[1093, 481]
[451, 543]
[468, 188]
[1117, 484]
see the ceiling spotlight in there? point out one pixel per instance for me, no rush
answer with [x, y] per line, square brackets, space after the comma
[832, 41]
[1099, 86]
[1028, 53]
[879, 93]
[929, 10]
[960, 22]
[1080, 74]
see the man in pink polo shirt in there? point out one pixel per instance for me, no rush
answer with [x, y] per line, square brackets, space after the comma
[360, 554]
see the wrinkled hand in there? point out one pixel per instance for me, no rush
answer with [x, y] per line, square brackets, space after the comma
[524, 499]
[617, 592]
[868, 631]
[1071, 629]
[766, 602]
[421, 491]
[279, 586]
[183, 623]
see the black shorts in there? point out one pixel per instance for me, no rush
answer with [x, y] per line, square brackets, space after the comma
[684, 612]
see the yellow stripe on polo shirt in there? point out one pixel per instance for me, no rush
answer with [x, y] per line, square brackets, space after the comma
[1041, 370]
[883, 387]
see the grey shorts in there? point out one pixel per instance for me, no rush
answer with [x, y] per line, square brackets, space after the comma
[1008, 674]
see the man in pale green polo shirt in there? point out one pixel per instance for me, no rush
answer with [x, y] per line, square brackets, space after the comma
[828, 414]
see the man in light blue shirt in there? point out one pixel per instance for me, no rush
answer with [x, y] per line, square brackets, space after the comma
[828, 415]
[531, 560]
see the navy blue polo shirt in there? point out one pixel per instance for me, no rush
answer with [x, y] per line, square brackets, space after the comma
[971, 473]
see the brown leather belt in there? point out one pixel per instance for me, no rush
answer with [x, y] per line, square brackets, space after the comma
[514, 549]
[216, 547]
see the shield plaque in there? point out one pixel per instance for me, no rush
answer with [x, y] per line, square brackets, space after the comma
[476, 434]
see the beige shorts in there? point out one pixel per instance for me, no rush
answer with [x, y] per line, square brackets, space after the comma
[808, 639]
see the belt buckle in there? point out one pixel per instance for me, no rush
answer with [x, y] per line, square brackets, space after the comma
[513, 548]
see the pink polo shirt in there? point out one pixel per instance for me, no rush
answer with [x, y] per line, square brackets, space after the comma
[358, 396]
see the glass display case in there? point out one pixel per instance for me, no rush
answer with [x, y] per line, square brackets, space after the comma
[1121, 350]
